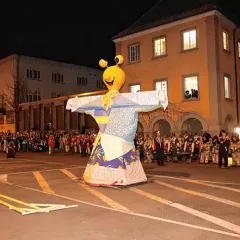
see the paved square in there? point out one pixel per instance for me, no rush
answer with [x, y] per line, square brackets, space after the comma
[181, 201]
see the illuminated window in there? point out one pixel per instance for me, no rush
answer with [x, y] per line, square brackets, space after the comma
[239, 49]
[134, 53]
[191, 87]
[225, 40]
[135, 88]
[227, 86]
[160, 47]
[161, 85]
[189, 39]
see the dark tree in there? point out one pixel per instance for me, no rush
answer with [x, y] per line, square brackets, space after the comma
[14, 93]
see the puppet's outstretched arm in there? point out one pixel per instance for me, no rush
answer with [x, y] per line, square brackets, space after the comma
[162, 101]
[84, 104]
[143, 101]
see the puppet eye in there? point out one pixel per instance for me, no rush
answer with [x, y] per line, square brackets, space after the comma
[103, 63]
[119, 59]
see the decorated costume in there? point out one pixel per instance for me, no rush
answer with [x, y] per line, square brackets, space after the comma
[74, 144]
[67, 144]
[140, 146]
[235, 150]
[79, 143]
[205, 148]
[158, 148]
[188, 148]
[174, 148]
[215, 149]
[10, 150]
[83, 143]
[148, 150]
[114, 160]
[196, 146]
[61, 142]
[166, 146]
[51, 144]
[224, 147]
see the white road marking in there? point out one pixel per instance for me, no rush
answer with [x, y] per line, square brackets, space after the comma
[31, 160]
[221, 183]
[204, 195]
[39, 161]
[96, 193]
[10, 162]
[181, 178]
[215, 186]
[222, 223]
[133, 213]
[199, 182]
[48, 170]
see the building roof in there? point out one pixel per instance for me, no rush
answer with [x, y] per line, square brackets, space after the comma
[167, 11]
[10, 57]
[63, 98]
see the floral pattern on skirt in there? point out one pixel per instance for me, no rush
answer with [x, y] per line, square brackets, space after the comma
[97, 157]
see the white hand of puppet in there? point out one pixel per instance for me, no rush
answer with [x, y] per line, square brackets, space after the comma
[74, 103]
[163, 99]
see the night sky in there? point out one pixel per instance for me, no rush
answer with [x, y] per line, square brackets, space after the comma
[77, 32]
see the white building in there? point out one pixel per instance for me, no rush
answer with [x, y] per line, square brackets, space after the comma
[47, 79]
[43, 79]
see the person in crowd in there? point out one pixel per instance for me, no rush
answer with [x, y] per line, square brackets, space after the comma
[196, 146]
[205, 148]
[174, 148]
[51, 144]
[67, 142]
[215, 149]
[158, 147]
[224, 146]
[166, 146]
[188, 147]
[235, 149]
[139, 143]
[11, 150]
[148, 149]
[83, 144]
[38, 141]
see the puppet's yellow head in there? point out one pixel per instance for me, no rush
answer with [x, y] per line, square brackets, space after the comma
[114, 76]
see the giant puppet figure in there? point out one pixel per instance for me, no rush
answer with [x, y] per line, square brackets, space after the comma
[114, 160]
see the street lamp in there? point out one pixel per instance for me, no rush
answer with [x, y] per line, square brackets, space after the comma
[237, 130]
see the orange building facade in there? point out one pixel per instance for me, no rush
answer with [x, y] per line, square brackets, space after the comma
[196, 61]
